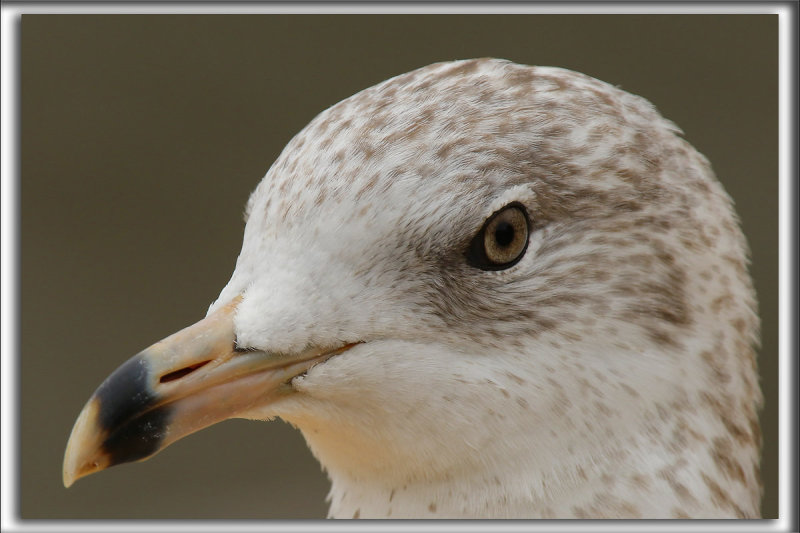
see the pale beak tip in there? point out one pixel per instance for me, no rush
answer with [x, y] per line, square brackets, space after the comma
[83, 455]
[68, 478]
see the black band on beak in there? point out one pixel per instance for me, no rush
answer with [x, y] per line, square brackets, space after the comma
[127, 412]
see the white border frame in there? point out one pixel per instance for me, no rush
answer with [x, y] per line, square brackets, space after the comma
[9, 24]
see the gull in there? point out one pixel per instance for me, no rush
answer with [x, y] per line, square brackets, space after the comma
[480, 290]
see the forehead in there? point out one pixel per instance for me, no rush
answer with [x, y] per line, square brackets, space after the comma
[466, 129]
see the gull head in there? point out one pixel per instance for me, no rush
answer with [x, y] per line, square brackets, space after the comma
[478, 289]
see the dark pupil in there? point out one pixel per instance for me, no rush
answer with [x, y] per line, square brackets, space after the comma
[504, 234]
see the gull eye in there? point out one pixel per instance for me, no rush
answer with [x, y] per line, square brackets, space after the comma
[502, 240]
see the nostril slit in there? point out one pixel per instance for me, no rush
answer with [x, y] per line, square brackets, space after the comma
[177, 374]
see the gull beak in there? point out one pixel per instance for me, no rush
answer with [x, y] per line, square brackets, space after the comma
[182, 384]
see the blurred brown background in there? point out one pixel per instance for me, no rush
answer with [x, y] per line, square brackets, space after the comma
[142, 137]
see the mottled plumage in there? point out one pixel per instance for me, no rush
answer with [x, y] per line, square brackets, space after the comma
[610, 373]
